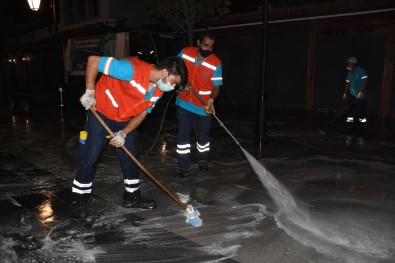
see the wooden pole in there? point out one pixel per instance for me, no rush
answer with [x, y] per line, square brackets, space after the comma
[311, 70]
[142, 167]
[385, 103]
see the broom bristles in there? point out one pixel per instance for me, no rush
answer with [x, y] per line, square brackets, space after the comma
[193, 216]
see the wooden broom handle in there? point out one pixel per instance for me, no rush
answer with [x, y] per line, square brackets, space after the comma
[161, 186]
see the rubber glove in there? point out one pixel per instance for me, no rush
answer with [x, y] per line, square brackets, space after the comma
[210, 107]
[360, 94]
[88, 99]
[118, 140]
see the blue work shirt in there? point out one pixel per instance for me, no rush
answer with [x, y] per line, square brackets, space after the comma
[356, 80]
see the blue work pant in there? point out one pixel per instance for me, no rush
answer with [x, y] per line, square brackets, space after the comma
[357, 108]
[89, 153]
[201, 126]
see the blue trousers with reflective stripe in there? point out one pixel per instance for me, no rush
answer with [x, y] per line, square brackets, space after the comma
[357, 109]
[201, 126]
[89, 152]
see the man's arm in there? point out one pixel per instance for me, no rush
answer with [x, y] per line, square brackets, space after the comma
[215, 92]
[118, 139]
[217, 81]
[92, 72]
[345, 95]
[135, 122]
[363, 88]
[88, 98]
[364, 85]
[347, 87]
[210, 104]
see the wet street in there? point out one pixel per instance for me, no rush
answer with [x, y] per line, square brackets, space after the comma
[334, 201]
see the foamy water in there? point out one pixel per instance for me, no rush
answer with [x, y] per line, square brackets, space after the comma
[286, 203]
[342, 231]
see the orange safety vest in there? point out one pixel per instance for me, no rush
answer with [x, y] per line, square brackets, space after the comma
[199, 76]
[121, 100]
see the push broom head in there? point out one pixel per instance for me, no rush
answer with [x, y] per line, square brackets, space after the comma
[193, 216]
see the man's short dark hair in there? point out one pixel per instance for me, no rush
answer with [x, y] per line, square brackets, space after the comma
[175, 66]
[208, 34]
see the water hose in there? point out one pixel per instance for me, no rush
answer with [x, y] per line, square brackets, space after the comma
[160, 128]
[215, 116]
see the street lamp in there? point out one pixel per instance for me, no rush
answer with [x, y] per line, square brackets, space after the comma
[34, 4]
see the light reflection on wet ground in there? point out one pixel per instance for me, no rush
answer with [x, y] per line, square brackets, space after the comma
[345, 177]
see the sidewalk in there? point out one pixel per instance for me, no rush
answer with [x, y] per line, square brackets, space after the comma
[344, 179]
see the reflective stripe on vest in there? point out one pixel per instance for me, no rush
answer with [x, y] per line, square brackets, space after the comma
[209, 66]
[188, 58]
[216, 78]
[153, 99]
[138, 87]
[114, 103]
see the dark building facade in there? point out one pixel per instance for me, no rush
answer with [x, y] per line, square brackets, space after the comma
[306, 49]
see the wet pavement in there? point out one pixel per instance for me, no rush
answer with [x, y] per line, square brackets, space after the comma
[343, 178]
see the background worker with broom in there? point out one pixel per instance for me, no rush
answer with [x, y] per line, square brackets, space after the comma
[123, 96]
[355, 92]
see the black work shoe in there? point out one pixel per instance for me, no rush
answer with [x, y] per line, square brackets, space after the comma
[182, 173]
[138, 202]
[80, 209]
[203, 166]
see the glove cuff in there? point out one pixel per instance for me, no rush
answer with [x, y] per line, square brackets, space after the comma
[90, 91]
[122, 133]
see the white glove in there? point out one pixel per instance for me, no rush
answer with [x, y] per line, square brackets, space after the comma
[118, 140]
[88, 99]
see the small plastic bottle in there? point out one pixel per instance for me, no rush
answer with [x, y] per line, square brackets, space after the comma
[83, 136]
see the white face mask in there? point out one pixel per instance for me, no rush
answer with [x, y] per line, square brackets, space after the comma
[349, 68]
[164, 86]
